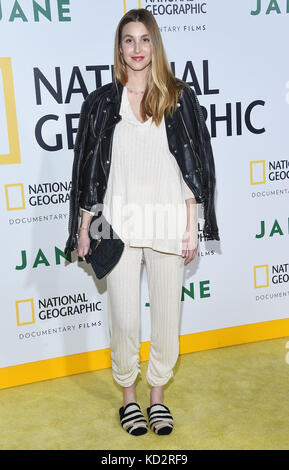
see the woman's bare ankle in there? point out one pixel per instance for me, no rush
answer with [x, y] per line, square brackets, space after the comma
[156, 395]
[129, 394]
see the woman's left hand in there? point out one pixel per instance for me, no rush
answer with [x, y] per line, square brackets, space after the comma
[190, 244]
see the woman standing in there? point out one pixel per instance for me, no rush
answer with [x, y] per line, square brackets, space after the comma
[146, 180]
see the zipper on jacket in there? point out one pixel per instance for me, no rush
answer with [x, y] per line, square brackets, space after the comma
[199, 165]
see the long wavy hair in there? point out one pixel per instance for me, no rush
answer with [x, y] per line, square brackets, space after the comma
[163, 88]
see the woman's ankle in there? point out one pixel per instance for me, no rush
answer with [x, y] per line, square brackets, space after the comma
[156, 395]
[129, 394]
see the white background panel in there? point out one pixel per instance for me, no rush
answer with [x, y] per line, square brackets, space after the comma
[246, 63]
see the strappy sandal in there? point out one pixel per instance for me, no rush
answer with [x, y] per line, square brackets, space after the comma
[160, 419]
[132, 419]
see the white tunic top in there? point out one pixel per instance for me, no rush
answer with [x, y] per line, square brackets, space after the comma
[145, 196]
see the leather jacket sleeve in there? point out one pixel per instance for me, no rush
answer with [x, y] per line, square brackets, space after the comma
[210, 228]
[79, 149]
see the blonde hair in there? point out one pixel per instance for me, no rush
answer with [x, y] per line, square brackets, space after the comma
[163, 88]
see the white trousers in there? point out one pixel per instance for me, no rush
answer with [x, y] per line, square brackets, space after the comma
[165, 279]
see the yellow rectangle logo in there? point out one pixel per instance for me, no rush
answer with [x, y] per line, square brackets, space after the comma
[25, 312]
[257, 172]
[261, 276]
[9, 140]
[125, 2]
[14, 194]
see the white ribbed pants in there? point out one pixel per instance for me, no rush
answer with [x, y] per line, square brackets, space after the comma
[165, 278]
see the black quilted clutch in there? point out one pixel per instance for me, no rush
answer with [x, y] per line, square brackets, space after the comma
[105, 251]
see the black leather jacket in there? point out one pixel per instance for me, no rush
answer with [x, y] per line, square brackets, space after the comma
[188, 140]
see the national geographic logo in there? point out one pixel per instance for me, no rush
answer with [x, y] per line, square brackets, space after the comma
[32, 11]
[9, 138]
[276, 171]
[25, 313]
[275, 274]
[261, 276]
[20, 197]
[171, 9]
[163, 7]
[267, 7]
[71, 307]
[53, 308]
[38, 194]
[267, 276]
[267, 173]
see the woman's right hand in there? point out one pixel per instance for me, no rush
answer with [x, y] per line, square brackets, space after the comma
[83, 243]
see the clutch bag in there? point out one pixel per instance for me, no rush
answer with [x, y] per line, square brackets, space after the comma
[105, 251]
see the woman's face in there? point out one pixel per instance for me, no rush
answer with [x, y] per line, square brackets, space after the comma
[136, 45]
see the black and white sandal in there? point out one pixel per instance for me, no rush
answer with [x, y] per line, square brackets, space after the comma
[160, 419]
[132, 419]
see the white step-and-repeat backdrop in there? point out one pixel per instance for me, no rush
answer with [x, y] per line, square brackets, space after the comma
[52, 54]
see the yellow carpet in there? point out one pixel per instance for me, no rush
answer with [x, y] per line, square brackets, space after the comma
[228, 398]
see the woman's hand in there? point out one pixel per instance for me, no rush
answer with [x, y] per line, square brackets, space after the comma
[83, 243]
[190, 244]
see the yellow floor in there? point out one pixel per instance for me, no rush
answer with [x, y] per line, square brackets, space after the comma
[229, 398]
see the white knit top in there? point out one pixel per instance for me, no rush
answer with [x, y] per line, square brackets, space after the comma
[145, 195]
